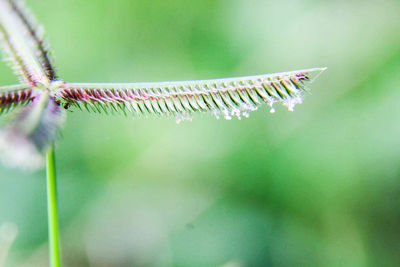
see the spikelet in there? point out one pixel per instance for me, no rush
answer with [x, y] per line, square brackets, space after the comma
[227, 97]
[12, 57]
[37, 34]
[23, 41]
[15, 96]
[24, 141]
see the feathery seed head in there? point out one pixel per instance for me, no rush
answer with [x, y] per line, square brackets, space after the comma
[232, 97]
[43, 97]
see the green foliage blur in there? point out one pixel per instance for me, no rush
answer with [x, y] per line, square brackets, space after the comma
[317, 187]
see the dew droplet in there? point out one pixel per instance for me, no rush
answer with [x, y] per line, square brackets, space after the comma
[271, 104]
[291, 107]
[215, 113]
[181, 117]
[236, 112]
[292, 102]
[178, 119]
[246, 114]
[188, 117]
[226, 115]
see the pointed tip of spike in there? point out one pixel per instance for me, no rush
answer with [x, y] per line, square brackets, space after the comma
[315, 73]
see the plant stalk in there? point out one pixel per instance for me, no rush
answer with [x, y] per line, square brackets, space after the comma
[54, 244]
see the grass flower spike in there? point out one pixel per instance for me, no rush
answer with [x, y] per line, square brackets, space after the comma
[45, 97]
[227, 97]
[24, 141]
[41, 99]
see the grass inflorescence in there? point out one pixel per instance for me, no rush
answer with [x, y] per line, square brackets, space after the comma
[42, 98]
[228, 97]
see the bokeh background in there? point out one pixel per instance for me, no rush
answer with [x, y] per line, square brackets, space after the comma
[317, 187]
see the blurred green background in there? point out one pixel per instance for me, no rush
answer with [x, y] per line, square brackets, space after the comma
[317, 187]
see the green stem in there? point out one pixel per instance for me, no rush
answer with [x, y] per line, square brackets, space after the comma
[54, 245]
